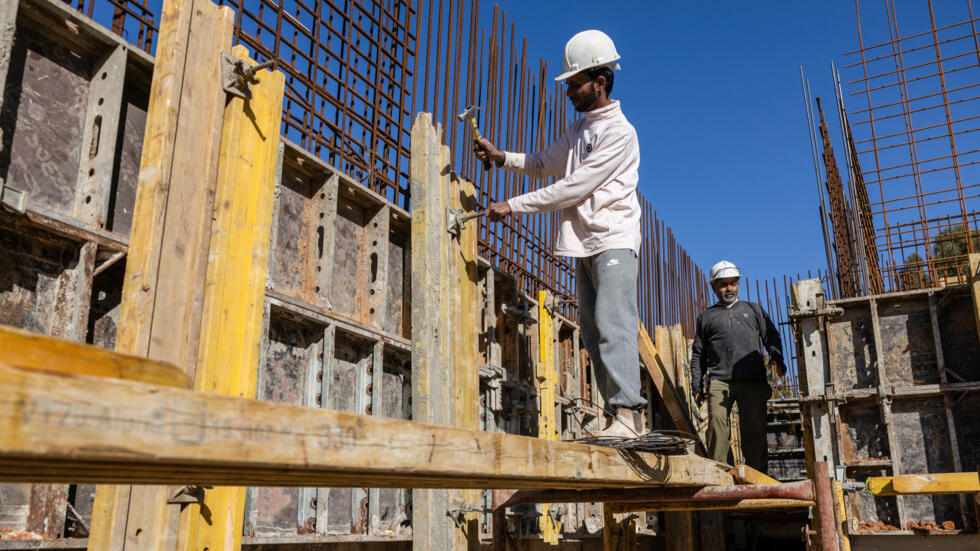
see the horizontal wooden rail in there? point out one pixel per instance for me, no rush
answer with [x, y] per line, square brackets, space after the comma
[28, 350]
[56, 427]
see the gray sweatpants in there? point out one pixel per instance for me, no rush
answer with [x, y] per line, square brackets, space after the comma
[606, 286]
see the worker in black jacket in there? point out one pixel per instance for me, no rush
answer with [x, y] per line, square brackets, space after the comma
[735, 342]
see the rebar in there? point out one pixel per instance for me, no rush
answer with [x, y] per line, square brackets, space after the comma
[358, 72]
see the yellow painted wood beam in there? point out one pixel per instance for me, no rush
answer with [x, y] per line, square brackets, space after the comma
[231, 328]
[70, 428]
[743, 474]
[914, 484]
[662, 381]
[465, 365]
[28, 350]
[974, 280]
[547, 379]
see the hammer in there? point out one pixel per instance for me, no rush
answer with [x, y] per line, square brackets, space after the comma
[470, 115]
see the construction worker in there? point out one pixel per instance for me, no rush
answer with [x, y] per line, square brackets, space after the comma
[599, 219]
[734, 343]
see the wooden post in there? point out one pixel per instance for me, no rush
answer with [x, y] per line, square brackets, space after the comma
[547, 380]
[160, 314]
[233, 304]
[975, 286]
[466, 368]
[445, 373]
[679, 525]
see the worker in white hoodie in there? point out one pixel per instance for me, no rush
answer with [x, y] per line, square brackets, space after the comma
[599, 219]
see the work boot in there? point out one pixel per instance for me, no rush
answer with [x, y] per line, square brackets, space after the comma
[623, 425]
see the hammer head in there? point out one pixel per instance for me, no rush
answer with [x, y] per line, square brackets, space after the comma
[469, 113]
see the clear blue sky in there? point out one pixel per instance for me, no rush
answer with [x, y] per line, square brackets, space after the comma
[713, 89]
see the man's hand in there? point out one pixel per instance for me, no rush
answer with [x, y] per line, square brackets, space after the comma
[777, 367]
[485, 151]
[498, 211]
[698, 398]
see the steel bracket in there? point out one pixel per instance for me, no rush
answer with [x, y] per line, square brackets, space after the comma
[524, 314]
[188, 494]
[237, 76]
[13, 199]
[826, 312]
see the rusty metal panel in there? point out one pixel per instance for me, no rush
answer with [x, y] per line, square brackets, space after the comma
[291, 275]
[398, 320]
[129, 148]
[348, 378]
[908, 347]
[43, 112]
[863, 436]
[394, 505]
[850, 341]
[961, 347]
[293, 348]
[351, 269]
[106, 301]
[966, 415]
[38, 279]
[917, 423]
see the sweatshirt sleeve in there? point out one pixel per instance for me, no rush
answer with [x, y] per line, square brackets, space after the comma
[613, 151]
[543, 164]
[773, 342]
[697, 349]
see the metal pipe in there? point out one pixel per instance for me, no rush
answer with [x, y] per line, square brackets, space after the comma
[795, 490]
[721, 505]
[827, 521]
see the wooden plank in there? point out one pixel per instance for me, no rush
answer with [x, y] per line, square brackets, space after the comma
[743, 474]
[32, 351]
[662, 380]
[975, 285]
[547, 381]
[466, 366]
[166, 264]
[234, 300]
[432, 330]
[88, 429]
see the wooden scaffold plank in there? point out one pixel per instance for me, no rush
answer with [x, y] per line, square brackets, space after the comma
[73, 428]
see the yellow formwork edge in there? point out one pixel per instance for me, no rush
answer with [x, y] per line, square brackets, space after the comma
[547, 382]
[913, 484]
[743, 474]
[231, 328]
[841, 510]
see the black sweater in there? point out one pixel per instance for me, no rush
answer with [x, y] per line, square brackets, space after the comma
[728, 344]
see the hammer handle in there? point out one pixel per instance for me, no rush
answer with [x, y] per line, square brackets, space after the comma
[476, 138]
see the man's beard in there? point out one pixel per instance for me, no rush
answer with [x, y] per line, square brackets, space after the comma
[728, 297]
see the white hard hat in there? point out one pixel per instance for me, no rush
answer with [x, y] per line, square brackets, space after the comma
[588, 49]
[722, 270]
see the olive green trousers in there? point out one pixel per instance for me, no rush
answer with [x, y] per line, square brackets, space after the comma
[751, 397]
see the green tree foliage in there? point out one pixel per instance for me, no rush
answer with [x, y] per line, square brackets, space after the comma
[914, 274]
[950, 248]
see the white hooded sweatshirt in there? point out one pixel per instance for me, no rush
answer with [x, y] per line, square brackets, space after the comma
[597, 198]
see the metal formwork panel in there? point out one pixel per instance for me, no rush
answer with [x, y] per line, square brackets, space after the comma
[891, 396]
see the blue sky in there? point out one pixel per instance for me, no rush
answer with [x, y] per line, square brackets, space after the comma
[713, 89]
